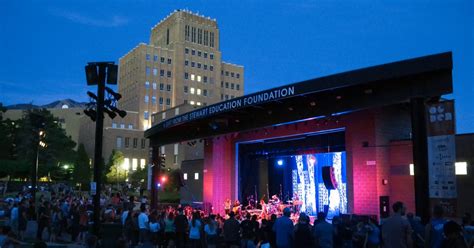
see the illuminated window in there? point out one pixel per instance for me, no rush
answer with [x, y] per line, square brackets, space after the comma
[147, 98]
[146, 115]
[176, 111]
[192, 77]
[147, 84]
[122, 125]
[163, 115]
[185, 176]
[130, 126]
[155, 71]
[126, 164]
[142, 163]
[199, 78]
[198, 92]
[191, 102]
[134, 164]
[119, 142]
[412, 170]
[114, 125]
[196, 176]
[192, 90]
[198, 103]
[461, 168]
[154, 86]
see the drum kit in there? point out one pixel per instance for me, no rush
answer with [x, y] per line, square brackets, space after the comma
[275, 206]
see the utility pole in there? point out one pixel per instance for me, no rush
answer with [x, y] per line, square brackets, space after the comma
[99, 73]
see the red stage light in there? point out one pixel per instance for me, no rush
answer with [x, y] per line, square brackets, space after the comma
[163, 179]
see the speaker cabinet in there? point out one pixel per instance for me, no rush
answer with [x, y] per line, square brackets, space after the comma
[329, 178]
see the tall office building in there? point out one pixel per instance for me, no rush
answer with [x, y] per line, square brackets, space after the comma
[182, 64]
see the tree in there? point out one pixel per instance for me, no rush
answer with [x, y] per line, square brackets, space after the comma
[115, 173]
[19, 139]
[137, 176]
[82, 170]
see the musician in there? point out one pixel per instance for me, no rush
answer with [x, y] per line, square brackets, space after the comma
[251, 202]
[237, 208]
[275, 199]
[296, 203]
[227, 205]
[264, 213]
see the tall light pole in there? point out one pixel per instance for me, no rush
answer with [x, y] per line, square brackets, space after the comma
[100, 73]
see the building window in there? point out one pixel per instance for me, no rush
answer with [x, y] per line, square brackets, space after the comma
[176, 111]
[198, 92]
[232, 74]
[232, 86]
[127, 142]
[176, 149]
[211, 68]
[198, 78]
[154, 86]
[193, 52]
[147, 70]
[167, 36]
[186, 50]
[135, 142]
[204, 92]
[118, 143]
[186, 33]
[168, 74]
[168, 101]
[237, 86]
[122, 126]
[227, 97]
[198, 103]
[199, 53]
[211, 39]
[186, 63]
[147, 85]
[114, 125]
[206, 36]
[237, 75]
[226, 73]
[193, 34]
[175, 159]
[169, 61]
[226, 85]
[204, 79]
[196, 176]
[193, 64]
[205, 55]
[222, 84]
[222, 96]
[162, 73]
[153, 100]
[460, 168]
[134, 164]
[155, 71]
[147, 56]
[161, 100]
[185, 176]
[192, 90]
[192, 102]
[185, 89]
[126, 164]
[198, 65]
[142, 163]
[162, 86]
[222, 72]
[205, 67]
[146, 115]
[168, 87]
[211, 56]
[186, 75]
[192, 77]
[155, 58]
[185, 101]
[163, 115]
[130, 126]
[199, 36]
[147, 99]
[143, 143]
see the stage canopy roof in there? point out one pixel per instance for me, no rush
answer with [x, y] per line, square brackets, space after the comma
[397, 82]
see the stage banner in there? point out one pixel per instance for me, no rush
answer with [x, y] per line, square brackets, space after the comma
[441, 152]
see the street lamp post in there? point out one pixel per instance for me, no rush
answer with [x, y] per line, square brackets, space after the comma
[100, 73]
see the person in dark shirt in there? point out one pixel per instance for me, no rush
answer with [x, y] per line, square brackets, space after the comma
[44, 220]
[302, 234]
[247, 231]
[22, 218]
[453, 233]
[181, 225]
[231, 230]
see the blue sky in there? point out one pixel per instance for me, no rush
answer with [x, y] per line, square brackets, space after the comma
[44, 45]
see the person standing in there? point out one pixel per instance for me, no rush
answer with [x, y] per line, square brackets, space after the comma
[283, 229]
[170, 229]
[14, 218]
[396, 230]
[181, 227]
[434, 230]
[210, 229]
[303, 236]
[246, 229]
[323, 231]
[195, 231]
[231, 231]
[143, 224]
[44, 220]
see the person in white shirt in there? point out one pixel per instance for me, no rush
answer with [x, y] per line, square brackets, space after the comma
[143, 224]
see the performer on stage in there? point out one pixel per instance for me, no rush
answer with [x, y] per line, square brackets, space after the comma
[237, 207]
[227, 205]
[251, 202]
[275, 199]
[264, 213]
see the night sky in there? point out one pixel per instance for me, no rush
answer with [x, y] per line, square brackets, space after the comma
[44, 45]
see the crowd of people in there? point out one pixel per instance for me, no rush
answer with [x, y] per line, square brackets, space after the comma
[66, 214]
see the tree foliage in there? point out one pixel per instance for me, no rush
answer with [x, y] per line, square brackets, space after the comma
[115, 173]
[82, 169]
[19, 139]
